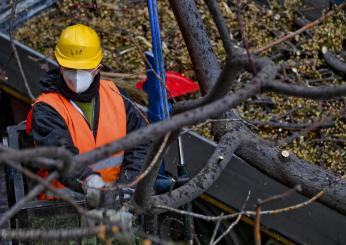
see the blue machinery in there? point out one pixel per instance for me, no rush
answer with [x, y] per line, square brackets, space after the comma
[155, 86]
[159, 107]
[156, 83]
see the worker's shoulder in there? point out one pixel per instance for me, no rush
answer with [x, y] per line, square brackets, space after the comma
[49, 98]
[111, 85]
[108, 84]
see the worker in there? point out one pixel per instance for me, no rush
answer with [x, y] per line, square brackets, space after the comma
[80, 111]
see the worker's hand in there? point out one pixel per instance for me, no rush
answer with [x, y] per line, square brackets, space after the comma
[109, 199]
[121, 217]
[92, 187]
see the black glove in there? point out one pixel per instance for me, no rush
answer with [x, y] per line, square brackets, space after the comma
[115, 199]
[108, 199]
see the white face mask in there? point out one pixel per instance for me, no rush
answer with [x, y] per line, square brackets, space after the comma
[78, 80]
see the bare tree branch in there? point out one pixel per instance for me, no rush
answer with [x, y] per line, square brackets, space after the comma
[316, 93]
[247, 213]
[205, 63]
[61, 234]
[161, 128]
[231, 226]
[304, 28]
[333, 61]
[13, 13]
[244, 38]
[32, 194]
[220, 25]
[145, 187]
[314, 126]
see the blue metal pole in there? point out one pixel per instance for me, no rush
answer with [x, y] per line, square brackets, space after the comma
[158, 67]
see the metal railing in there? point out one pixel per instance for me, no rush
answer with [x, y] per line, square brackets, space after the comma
[24, 11]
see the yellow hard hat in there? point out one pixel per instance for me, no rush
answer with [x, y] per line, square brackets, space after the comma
[79, 47]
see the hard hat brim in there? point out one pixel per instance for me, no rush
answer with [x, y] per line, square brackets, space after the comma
[79, 64]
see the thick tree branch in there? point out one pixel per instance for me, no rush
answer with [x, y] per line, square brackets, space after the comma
[316, 93]
[292, 170]
[228, 75]
[220, 25]
[159, 129]
[203, 58]
[333, 61]
[145, 187]
[29, 155]
[289, 170]
[61, 234]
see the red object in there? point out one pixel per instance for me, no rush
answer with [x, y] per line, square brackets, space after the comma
[28, 122]
[177, 85]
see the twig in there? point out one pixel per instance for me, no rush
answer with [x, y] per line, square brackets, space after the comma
[257, 228]
[313, 126]
[13, 12]
[290, 126]
[152, 163]
[260, 202]
[244, 38]
[247, 213]
[304, 28]
[216, 228]
[32, 194]
[235, 222]
[329, 139]
[294, 207]
[140, 112]
[279, 196]
[228, 229]
[289, 112]
[123, 75]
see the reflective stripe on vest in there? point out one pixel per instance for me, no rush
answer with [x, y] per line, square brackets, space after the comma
[111, 125]
[110, 162]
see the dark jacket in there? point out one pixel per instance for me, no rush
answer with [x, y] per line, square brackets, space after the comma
[49, 129]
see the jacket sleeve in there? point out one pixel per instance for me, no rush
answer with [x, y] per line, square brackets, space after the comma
[49, 129]
[134, 158]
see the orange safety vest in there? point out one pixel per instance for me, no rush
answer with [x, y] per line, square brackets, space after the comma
[111, 126]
